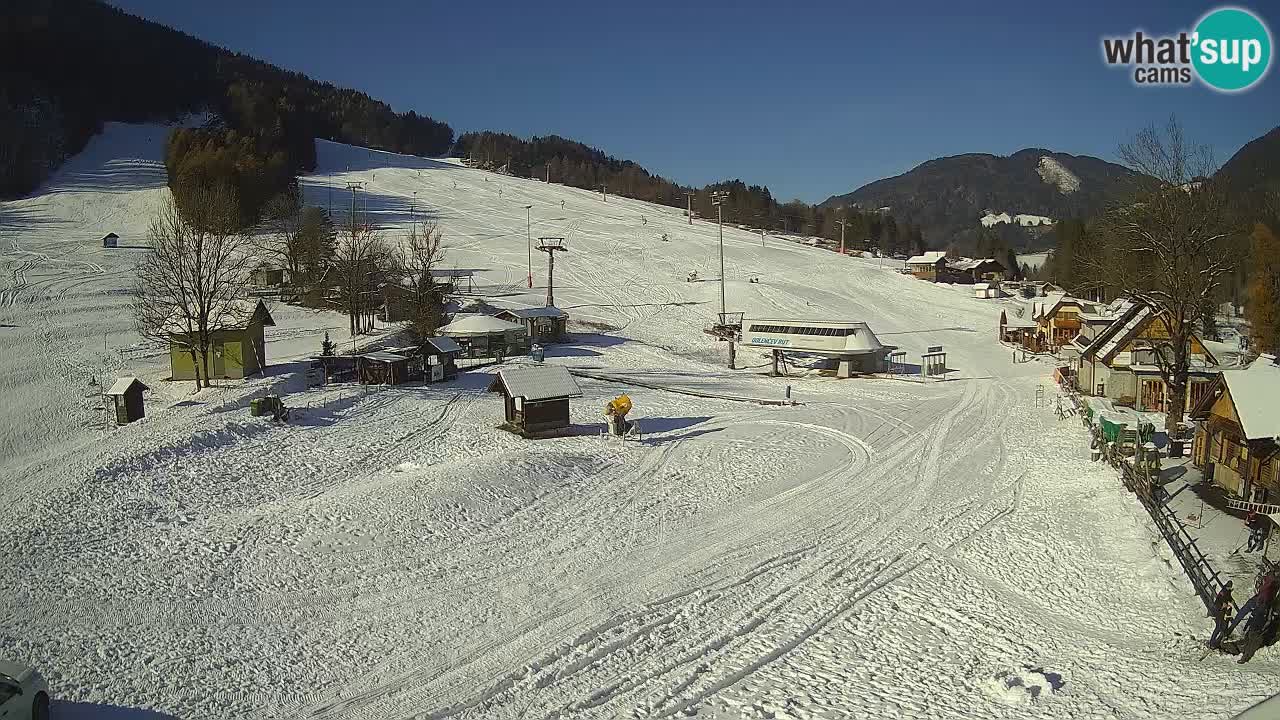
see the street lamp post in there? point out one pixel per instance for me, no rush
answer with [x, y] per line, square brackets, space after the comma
[528, 240]
[717, 198]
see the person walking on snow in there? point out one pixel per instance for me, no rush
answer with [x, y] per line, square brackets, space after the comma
[1221, 615]
[1258, 532]
[1258, 607]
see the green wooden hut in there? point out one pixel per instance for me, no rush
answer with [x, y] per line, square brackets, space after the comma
[238, 349]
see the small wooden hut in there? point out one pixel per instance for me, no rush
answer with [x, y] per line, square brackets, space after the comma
[536, 398]
[389, 368]
[126, 393]
[441, 355]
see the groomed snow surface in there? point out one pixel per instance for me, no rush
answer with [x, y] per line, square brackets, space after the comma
[887, 549]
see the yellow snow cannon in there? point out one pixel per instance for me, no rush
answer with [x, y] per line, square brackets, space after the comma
[616, 411]
[618, 406]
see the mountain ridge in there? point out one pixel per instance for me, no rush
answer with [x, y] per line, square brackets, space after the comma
[948, 195]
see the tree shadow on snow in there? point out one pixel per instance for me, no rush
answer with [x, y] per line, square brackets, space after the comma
[561, 350]
[594, 340]
[62, 710]
[668, 424]
[674, 438]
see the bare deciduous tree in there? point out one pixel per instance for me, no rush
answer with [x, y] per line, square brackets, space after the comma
[415, 260]
[299, 240]
[1170, 246]
[360, 262]
[191, 284]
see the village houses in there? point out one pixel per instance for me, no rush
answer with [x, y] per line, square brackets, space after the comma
[1119, 362]
[1237, 443]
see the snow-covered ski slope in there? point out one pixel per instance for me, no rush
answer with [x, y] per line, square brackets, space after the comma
[887, 549]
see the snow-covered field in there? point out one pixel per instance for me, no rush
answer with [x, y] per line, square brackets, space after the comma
[885, 549]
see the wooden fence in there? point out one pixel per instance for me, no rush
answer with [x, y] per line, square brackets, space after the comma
[1206, 580]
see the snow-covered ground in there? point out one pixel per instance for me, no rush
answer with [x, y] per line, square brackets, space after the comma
[885, 549]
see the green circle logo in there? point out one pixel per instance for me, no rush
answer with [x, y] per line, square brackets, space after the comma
[1232, 49]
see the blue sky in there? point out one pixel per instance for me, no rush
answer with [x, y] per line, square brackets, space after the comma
[811, 99]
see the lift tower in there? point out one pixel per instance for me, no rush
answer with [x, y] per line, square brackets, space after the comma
[550, 246]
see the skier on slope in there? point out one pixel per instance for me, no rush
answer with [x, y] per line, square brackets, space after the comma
[1221, 615]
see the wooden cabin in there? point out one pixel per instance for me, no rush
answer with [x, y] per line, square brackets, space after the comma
[126, 393]
[972, 270]
[441, 355]
[543, 324]
[385, 367]
[1020, 331]
[238, 349]
[1120, 362]
[536, 398]
[1237, 443]
[928, 266]
[1059, 318]
[485, 336]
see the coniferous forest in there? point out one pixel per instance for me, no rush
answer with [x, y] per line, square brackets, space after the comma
[68, 66]
[99, 64]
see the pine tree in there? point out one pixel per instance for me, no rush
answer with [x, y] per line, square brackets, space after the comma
[326, 347]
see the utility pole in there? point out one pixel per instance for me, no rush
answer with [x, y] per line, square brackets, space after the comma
[688, 198]
[528, 238]
[842, 223]
[354, 187]
[550, 246]
[413, 206]
[604, 192]
[355, 299]
[717, 198]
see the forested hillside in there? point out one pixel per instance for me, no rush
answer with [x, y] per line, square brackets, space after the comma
[67, 66]
[578, 165]
[947, 196]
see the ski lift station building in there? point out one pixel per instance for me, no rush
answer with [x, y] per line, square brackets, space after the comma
[853, 344]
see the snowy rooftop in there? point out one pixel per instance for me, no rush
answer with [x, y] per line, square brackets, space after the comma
[122, 385]
[477, 325]
[550, 311]
[1017, 322]
[539, 382]
[1256, 393]
[443, 344]
[971, 263]
[928, 258]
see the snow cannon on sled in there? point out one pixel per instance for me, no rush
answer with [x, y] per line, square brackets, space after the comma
[615, 413]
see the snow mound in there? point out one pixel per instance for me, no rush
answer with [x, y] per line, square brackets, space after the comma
[1055, 173]
[1023, 686]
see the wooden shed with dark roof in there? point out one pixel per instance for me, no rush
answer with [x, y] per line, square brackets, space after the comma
[126, 393]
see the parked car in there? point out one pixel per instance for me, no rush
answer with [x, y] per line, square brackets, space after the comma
[23, 693]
